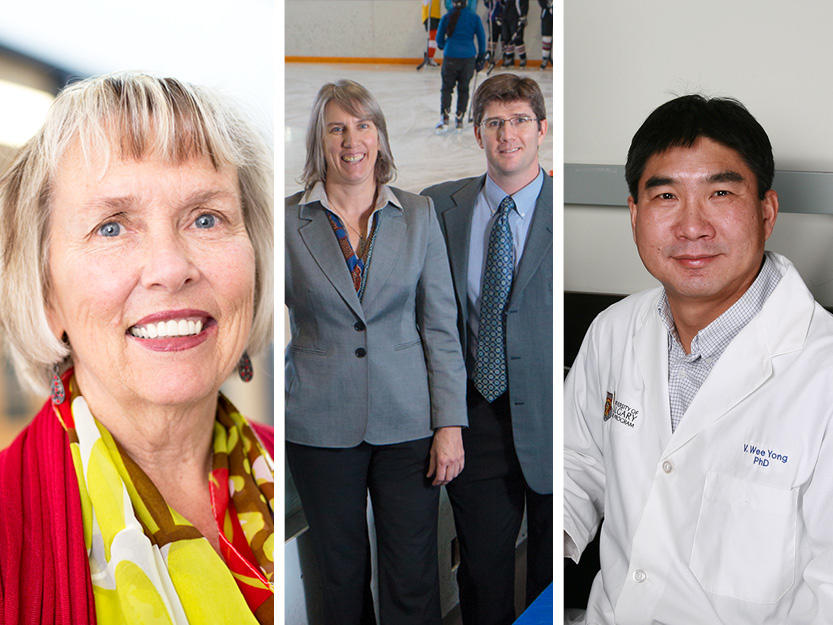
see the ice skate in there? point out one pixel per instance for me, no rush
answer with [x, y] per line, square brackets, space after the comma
[545, 62]
[442, 125]
[458, 122]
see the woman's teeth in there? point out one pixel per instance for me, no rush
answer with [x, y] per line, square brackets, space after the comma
[164, 329]
[352, 158]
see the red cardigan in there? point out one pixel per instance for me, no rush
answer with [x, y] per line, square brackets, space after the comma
[44, 572]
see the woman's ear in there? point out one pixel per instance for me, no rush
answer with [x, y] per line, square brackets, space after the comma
[56, 323]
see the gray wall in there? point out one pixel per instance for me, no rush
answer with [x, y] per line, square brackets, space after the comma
[623, 59]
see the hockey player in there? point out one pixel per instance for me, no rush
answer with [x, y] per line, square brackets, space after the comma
[430, 20]
[494, 22]
[514, 23]
[455, 37]
[546, 33]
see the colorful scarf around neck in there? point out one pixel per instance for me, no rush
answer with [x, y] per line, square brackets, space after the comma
[147, 562]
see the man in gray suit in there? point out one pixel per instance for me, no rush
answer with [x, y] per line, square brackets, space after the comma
[498, 229]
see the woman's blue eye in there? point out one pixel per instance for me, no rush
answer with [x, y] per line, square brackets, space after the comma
[205, 221]
[110, 229]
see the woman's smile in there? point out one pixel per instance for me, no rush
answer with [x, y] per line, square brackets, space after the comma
[173, 330]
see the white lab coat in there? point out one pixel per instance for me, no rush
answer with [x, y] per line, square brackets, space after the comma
[730, 518]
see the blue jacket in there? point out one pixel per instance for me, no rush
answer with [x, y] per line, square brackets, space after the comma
[461, 44]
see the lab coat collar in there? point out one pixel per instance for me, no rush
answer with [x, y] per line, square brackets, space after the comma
[710, 341]
[780, 328]
[651, 346]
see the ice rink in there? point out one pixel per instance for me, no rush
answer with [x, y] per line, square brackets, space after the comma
[410, 100]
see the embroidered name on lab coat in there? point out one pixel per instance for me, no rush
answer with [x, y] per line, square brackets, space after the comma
[614, 409]
[764, 457]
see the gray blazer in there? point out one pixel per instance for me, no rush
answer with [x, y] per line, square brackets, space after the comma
[528, 320]
[388, 369]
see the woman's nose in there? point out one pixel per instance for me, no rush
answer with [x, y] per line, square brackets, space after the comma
[168, 263]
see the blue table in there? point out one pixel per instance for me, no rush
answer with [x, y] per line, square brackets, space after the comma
[540, 611]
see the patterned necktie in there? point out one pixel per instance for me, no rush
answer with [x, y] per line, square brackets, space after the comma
[490, 364]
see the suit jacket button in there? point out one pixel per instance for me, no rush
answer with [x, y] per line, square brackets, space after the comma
[358, 326]
[361, 352]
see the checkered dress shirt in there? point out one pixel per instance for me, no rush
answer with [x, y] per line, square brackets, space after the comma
[687, 372]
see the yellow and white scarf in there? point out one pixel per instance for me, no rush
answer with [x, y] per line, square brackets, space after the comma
[147, 562]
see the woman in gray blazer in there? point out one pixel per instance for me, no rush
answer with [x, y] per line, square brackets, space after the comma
[375, 379]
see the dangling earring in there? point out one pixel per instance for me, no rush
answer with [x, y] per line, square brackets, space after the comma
[244, 368]
[58, 392]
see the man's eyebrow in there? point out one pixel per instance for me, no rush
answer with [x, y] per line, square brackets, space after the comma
[658, 181]
[726, 176]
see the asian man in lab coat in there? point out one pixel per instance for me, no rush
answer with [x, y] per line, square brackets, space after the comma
[699, 415]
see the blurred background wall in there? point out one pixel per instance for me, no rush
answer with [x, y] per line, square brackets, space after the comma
[372, 29]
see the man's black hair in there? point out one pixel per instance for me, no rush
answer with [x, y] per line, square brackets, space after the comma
[680, 122]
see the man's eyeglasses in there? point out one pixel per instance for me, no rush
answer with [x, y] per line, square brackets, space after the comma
[518, 122]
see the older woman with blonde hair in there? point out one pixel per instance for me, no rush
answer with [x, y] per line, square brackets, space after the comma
[375, 380]
[135, 260]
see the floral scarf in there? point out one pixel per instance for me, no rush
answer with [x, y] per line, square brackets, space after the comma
[148, 564]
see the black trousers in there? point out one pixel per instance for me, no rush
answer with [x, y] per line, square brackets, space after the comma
[546, 22]
[495, 30]
[456, 72]
[510, 26]
[488, 500]
[333, 486]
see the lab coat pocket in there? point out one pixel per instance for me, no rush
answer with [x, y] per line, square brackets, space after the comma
[744, 545]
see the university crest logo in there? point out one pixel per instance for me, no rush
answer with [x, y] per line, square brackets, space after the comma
[618, 411]
[608, 405]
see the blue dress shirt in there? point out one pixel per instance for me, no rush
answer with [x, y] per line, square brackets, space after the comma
[485, 211]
